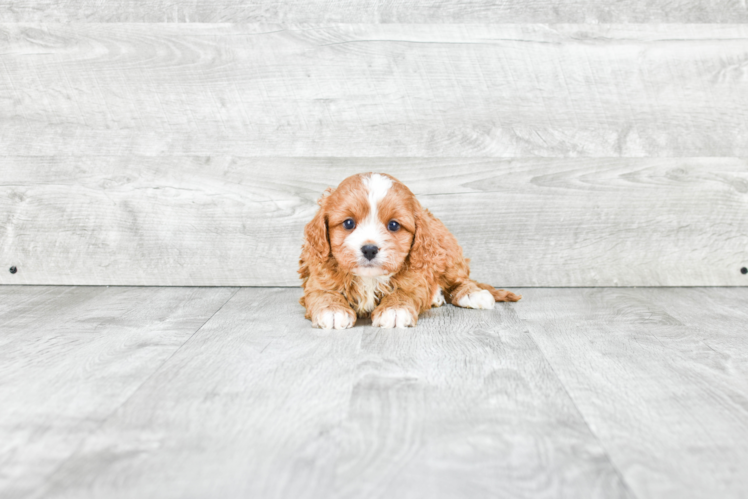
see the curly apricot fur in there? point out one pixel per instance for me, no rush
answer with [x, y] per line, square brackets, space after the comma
[424, 256]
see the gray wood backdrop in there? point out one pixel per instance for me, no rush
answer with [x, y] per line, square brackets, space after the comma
[593, 143]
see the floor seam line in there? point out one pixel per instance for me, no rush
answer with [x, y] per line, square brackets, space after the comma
[573, 401]
[43, 489]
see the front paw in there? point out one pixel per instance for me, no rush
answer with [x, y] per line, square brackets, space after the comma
[393, 318]
[337, 319]
[478, 300]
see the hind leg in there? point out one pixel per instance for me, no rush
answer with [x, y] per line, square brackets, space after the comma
[473, 295]
[500, 295]
[462, 291]
[468, 294]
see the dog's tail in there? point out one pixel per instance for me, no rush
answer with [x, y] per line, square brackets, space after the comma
[500, 295]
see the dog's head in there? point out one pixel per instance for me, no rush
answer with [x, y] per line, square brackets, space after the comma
[371, 225]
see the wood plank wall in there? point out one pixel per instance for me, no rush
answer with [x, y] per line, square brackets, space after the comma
[184, 143]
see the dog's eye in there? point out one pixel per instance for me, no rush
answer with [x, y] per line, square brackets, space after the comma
[393, 226]
[349, 224]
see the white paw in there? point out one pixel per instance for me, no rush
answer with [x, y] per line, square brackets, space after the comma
[478, 300]
[438, 299]
[333, 318]
[394, 318]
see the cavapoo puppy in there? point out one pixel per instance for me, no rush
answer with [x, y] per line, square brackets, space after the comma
[372, 249]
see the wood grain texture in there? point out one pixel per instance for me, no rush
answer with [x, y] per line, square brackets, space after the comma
[223, 221]
[15, 304]
[660, 376]
[349, 11]
[498, 90]
[465, 406]
[70, 356]
[250, 408]
[259, 404]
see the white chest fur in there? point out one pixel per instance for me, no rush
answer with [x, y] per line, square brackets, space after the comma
[370, 289]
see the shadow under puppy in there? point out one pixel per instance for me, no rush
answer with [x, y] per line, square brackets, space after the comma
[372, 249]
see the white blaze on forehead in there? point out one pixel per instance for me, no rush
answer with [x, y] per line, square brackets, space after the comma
[378, 185]
[371, 229]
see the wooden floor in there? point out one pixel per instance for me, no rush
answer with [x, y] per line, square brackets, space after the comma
[221, 392]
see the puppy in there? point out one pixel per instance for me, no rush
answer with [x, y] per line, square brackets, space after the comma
[372, 249]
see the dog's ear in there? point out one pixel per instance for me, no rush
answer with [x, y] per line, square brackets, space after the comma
[425, 249]
[316, 240]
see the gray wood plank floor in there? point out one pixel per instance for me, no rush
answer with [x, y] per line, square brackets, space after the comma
[225, 392]
[71, 356]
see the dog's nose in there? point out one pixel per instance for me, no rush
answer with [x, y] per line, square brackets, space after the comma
[369, 251]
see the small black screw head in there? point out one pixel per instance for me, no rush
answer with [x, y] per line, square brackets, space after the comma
[744, 270]
[13, 269]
